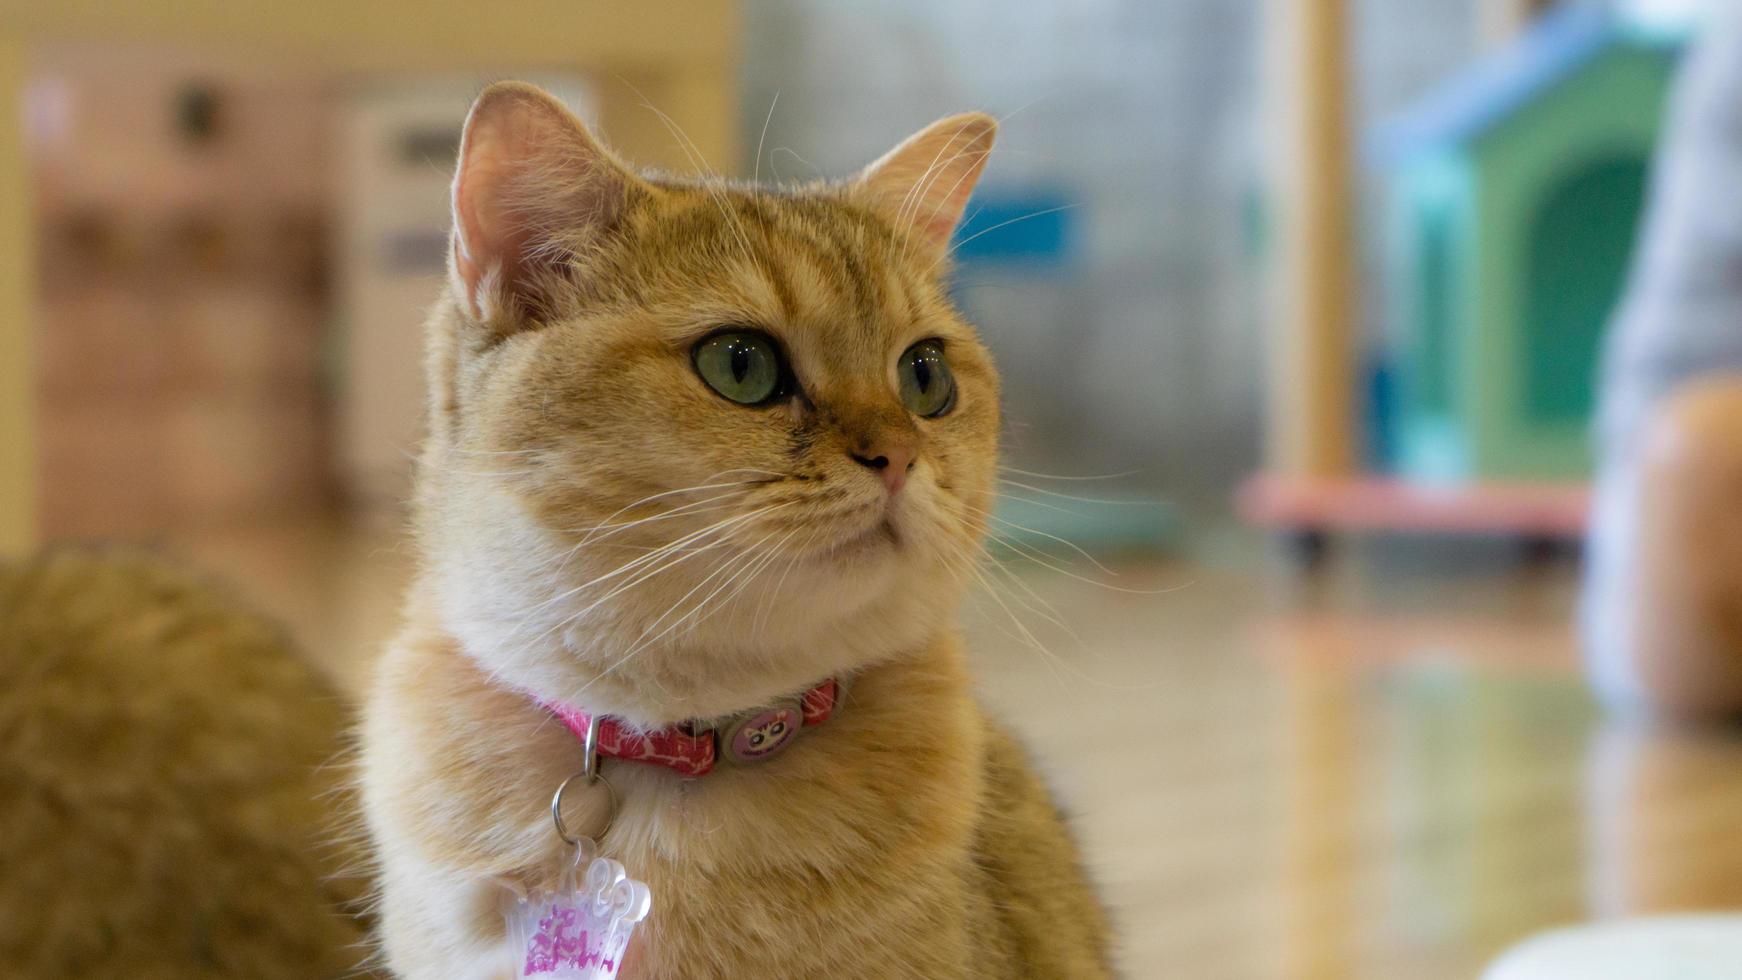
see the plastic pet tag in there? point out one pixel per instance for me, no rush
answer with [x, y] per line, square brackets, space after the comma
[579, 929]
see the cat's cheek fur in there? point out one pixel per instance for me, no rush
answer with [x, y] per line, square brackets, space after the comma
[509, 591]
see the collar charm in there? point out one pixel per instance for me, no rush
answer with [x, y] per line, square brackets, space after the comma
[580, 928]
[577, 924]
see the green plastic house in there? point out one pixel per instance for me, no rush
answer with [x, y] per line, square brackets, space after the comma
[1513, 199]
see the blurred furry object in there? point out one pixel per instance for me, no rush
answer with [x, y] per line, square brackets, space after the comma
[166, 781]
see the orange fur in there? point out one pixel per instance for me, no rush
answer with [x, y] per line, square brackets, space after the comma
[598, 527]
[167, 782]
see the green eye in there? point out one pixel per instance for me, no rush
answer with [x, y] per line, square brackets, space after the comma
[928, 389]
[740, 364]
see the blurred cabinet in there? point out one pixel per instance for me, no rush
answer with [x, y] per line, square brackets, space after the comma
[103, 189]
[181, 282]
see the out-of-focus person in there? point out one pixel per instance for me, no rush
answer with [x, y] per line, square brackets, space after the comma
[1662, 606]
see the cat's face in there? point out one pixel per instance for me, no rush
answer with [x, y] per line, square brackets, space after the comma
[699, 446]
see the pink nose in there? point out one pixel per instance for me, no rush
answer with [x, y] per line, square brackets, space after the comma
[892, 463]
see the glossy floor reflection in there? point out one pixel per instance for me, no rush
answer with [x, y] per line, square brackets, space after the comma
[1388, 769]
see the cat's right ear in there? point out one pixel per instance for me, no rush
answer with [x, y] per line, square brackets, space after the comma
[923, 185]
[531, 188]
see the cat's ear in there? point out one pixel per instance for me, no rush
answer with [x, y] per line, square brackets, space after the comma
[923, 185]
[532, 187]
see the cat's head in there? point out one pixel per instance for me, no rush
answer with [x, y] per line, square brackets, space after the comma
[694, 445]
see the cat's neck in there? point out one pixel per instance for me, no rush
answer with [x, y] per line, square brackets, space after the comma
[679, 678]
[432, 701]
[894, 713]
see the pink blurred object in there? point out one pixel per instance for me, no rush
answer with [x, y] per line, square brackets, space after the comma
[1551, 510]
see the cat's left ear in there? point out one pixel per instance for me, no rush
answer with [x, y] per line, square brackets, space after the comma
[533, 186]
[923, 185]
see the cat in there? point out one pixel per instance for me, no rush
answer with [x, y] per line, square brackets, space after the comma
[167, 798]
[698, 448]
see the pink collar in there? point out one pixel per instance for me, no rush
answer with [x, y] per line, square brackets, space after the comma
[692, 748]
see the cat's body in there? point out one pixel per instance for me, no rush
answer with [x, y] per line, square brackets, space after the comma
[909, 840]
[600, 529]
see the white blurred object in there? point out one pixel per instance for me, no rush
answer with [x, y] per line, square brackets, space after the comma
[1703, 947]
[398, 142]
[1669, 17]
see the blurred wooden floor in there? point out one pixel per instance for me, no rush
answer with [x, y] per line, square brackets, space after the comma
[1385, 770]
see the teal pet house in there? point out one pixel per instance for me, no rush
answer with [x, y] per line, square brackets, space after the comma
[1514, 196]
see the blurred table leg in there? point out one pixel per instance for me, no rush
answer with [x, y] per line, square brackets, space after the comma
[1311, 416]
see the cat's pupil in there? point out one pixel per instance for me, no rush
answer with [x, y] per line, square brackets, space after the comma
[740, 363]
[756, 738]
[922, 373]
[779, 726]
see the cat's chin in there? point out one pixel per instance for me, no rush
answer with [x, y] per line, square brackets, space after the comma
[882, 537]
[888, 532]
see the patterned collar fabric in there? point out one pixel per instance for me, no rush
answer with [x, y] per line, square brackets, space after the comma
[694, 749]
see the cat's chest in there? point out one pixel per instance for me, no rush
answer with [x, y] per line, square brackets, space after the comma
[882, 912]
[832, 874]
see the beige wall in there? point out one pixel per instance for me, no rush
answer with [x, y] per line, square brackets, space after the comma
[17, 388]
[678, 55]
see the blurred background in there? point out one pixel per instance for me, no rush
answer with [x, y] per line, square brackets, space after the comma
[1300, 306]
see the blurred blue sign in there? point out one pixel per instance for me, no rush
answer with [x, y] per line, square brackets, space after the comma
[1016, 225]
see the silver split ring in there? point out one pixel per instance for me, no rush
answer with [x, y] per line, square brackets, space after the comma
[588, 775]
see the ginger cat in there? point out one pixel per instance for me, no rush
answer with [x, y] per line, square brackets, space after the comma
[694, 449]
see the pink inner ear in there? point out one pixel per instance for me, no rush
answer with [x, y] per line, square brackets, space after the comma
[489, 240]
[925, 183]
[526, 163]
[938, 230]
[937, 218]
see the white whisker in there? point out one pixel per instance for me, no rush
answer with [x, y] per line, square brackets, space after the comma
[1073, 479]
[764, 137]
[1002, 224]
[1029, 553]
[741, 562]
[1042, 534]
[1082, 500]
